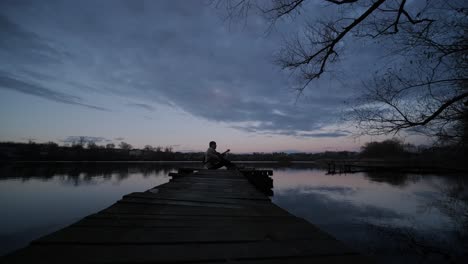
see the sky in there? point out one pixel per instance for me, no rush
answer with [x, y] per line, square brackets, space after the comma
[167, 73]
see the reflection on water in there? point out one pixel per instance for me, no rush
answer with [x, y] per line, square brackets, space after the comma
[82, 172]
[38, 198]
[387, 215]
[391, 216]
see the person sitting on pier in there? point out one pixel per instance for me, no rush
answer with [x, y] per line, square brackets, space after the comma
[215, 160]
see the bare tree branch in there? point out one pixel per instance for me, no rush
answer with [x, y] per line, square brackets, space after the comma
[427, 93]
[338, 2]
[323, 55]
[284, 7]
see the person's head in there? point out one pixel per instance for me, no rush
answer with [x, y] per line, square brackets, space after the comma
[212, 144]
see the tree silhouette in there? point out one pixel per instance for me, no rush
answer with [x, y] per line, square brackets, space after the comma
[110, 146]
[427, 92]
[92, 145]
[168, 149]
[386, 148]
[148, 148]
[125, 146]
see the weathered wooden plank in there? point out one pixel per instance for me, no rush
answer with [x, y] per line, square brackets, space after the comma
[197, 198]
[205, 191]
[208, 180]
[218, 218]
[215, 194]
[185, 221]
[201, 189]
[178, 252]
[190, 186]
[219, 176]
[258, 206]
[326, 259]
[139, 208]
[184, 234]
[180, 202]
[205, 177]
[215, 183]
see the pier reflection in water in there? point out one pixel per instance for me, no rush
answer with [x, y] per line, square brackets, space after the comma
[378, 213]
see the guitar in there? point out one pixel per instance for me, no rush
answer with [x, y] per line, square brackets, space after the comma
[220, 155]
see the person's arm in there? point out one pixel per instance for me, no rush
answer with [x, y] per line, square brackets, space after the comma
[224, 153]
[212, 155]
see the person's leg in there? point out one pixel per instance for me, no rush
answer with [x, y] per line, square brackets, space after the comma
[217, 166]
[228, 164]
[222, 163]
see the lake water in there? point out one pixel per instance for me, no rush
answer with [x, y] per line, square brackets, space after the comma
[389, 216]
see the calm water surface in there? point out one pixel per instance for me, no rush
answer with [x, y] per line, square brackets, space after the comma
[390, 216]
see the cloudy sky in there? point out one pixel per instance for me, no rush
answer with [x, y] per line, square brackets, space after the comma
[165, 73]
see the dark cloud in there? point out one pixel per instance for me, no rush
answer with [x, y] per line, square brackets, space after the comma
[142, 106]
[11, 83]
[180, 54]
[119, 138]
[85, 139]
[270, 130]
[324, 135]
[28, 139]
[24, 46]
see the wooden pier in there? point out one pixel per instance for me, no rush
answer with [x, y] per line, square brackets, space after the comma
[204, 216]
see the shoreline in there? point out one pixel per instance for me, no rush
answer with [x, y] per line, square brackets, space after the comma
[355, 166]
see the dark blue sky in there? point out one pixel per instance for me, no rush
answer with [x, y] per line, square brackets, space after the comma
[166, 73]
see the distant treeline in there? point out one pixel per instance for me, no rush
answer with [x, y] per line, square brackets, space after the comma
[92, 152]
[392, 149]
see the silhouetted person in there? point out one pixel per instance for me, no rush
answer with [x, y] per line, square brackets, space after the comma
[215, 160]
